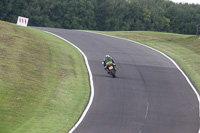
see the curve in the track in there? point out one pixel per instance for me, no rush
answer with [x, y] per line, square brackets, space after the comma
[149, 95]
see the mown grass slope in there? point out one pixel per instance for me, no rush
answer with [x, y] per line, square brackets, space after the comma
[43, 82]
[184, 49]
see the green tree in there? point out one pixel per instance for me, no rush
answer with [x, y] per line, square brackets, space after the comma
[79, 14]
[4, 8]
[153, 15]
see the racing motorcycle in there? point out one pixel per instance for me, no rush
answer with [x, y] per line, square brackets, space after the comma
[111, 69]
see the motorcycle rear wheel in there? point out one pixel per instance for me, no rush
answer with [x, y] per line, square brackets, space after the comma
[113, 73]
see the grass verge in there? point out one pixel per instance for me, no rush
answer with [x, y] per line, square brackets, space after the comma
[184, 49]
[44, 83]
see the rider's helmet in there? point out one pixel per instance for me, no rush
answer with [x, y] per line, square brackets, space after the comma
[107, 56]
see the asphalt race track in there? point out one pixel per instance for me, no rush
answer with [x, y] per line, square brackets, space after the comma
[149, 95]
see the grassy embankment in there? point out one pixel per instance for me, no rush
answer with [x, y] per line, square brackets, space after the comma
[43, 82]
[184, 49]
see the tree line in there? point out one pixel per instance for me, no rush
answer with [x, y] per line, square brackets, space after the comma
[109, 15]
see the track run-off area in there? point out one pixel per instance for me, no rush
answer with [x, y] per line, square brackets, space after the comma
[151, 94]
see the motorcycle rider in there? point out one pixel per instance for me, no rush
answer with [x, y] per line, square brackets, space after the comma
[108, 60]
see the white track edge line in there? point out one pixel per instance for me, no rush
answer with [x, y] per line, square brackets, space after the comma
[91, 84]
[177, 66]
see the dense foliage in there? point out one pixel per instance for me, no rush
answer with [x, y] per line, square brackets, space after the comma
[151, 15]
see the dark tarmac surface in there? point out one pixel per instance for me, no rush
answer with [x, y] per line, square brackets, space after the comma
[149, 95]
